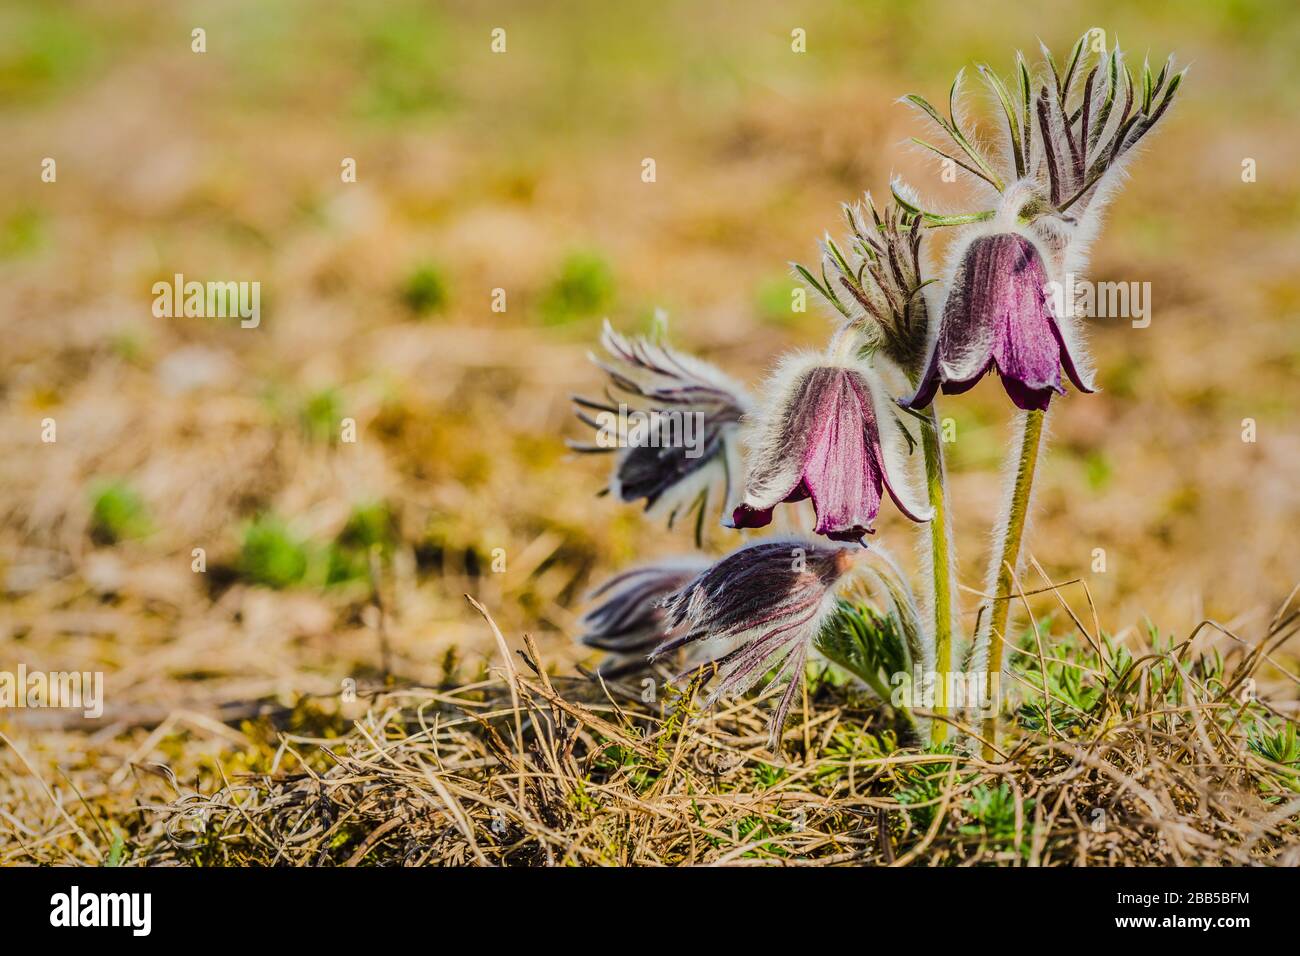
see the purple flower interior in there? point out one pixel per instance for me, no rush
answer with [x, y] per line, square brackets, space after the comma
[831, 426]
[998, 317]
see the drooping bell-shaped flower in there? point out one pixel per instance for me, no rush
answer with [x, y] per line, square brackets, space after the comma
[768, 601]
[999, 317]
[629, 619]
[1068, 135]
[671, 420]
[828, 432]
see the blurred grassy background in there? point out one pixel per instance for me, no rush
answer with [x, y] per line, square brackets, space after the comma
[522, 171]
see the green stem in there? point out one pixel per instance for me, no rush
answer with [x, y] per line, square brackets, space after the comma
[1008, 559]
[941, 567]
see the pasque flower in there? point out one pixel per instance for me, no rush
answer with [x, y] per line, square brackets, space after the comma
[688, 415]
[1065, 146]
[827, 431]
[998, 316]
[768, 600]
[629, 618]
[1067, 136]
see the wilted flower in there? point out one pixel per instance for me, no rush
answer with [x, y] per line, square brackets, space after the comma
[629, 621]
[672, 421]
[998, 316]
[770, 599]
[827, 432]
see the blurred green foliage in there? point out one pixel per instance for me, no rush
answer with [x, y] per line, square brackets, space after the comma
[42, 49]
[370, 526]
[321, 414]
[425, 290]
[271, 554]
[117, 512]
[775, 301]
[275, 556]
[584, 286]
[21, 233]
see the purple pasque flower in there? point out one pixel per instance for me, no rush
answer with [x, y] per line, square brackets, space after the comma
[671, 421]
[629, 619]
[1068, 135]
[767, 601]
[999, 316]
[828, 432]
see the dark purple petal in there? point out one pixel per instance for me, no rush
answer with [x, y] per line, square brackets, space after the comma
[999, 317]
[746, 517]
[827, 447]
[1071, 369]
[1025, 398]
[770, 598]
[756, 588]
[630, 618]
[841, 467]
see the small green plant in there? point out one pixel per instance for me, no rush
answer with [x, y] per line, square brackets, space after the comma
[584, 286]
[1280, 747]
[993, 817]
[117, 513]
[272, 555]
[320, 415]
[865, 643]
[425, 290]
[370, 526]
[920, 791]
[1072, 694]
[117, 851]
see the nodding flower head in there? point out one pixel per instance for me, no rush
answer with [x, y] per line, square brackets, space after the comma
[1067, 134]
[998, 316]
[629, 619]
[671, 420]
[875, 281]
[767, 600]
[828, 432]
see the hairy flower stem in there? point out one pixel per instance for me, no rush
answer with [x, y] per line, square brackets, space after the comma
[1007, 556]
[941, 567]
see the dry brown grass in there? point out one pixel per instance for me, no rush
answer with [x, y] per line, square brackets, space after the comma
[524, 768]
